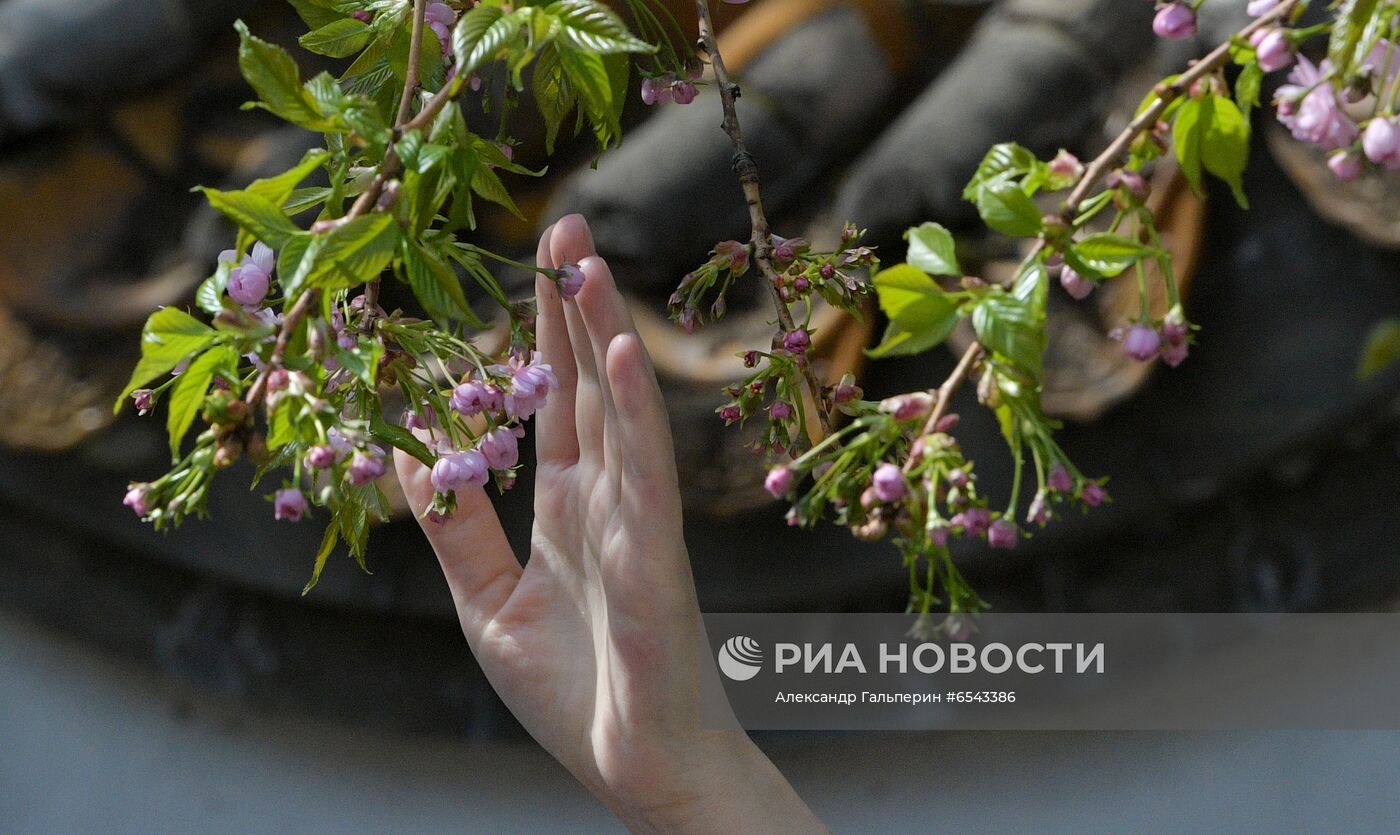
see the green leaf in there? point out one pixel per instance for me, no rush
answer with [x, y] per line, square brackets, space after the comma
[921, 315]
[1354, 19]
[1007, 209]
[339, 39]
[1108, 255]
[588, 75]
[1006, 159]
[281, 429]
[1186, 140]
[277, 190]
[1225, 144]
[1382, 348]
[435, 285]
[1008, 326]
[169, 337]
[592, 26]
[480, 35]
[351, 254]
[317, 13]
[399, 437]
[187, 396]
[327, 546]
[255, 214]
[210, 295]
[553, 94]
[931, 249]
[1247, 87]
[487, 184]
[274, 76]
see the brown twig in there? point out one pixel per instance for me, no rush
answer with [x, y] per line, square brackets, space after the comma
[388, 169]
[1095, 170]
[747, 170]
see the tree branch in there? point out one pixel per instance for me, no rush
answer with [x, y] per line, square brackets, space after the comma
[747, 170]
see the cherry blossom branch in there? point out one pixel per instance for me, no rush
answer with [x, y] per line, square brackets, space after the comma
[746, 169]
[1165, 94]
[388, 169]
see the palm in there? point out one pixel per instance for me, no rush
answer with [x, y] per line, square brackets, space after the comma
[581, 643]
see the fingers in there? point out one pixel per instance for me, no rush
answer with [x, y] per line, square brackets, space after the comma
[571, 242]
[556, 439]
[476, 559]
[646, 458]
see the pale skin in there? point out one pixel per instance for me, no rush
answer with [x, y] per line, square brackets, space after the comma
[592, 644]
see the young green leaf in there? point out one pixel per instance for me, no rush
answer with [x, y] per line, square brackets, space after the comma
[1186, 140]
[1007, 209]
[328, 542]
[1225, 144]
[273, 75]
[351, 254]
[931, 249]
[187, 396]
[338, 39]
[1108, 255]
[480, 35]
[1008, 326]
[279, 189]
[254, 214]
[592, 26]
[436, 285]
[920, 314]
[553, 94]
[1006, 159]
[399, 437]
[1382, 348]
[170, 337]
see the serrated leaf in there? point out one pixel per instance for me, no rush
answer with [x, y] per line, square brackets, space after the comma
[436, 286]
[338, 39]
[169, 337]
[1006, 159]
[592, 26]
[398, 436]
[317, 13]
[274, 76]
[480, 35]
[351, 254]
[281, 429]
[487, 185]
[187, 395]
[1007, 209]
[1108, 255]
[588, 75]
[920, 314]
[1008, 326]
[553, 94]
[210, 294]
[255, 214]
[1247, 87]
[931, 249]
[328, 542]
[1225, 144]
[279, 189]
[1382, 348]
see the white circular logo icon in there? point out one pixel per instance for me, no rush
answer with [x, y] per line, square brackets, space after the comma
[740, 658]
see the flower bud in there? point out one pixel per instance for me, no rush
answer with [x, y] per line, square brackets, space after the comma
[683, 92]
[1093, 494]
[1141, 342]
[1060, 480]
[459, 470]
[500, 449]
[137, 498]
[888, 483]
[474, 397]
[1131, 182]
[1272, 48]
[974, 521]
[1345, 164]
[320, 457]
[846, 390]
[797, 341]
[750, 359]
[915, 404]
[362, 16]
[1381, 141]
[1003, 533]
[143, 399]
[780, 410]
[947, 423]
[289, 504]
[778, 482]
[689, 319]
[570, 280]
[730, 413]
[366, 465]
[1066, 165]
[1175, 20]
[1075, 284]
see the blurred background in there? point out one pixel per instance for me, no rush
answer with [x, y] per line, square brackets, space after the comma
[158, 683]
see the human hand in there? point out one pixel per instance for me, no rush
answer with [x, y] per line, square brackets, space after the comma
[592, 644]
